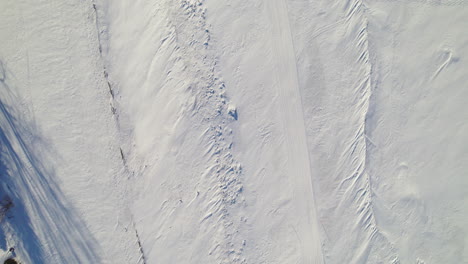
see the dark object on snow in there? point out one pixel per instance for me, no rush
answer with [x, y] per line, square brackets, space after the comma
[12, 249]
[232, 111]
[5, 205]
[10, 261]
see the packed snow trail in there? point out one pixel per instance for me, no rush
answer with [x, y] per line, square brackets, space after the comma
[296, 152]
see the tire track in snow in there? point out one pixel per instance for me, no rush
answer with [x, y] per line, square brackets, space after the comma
[295, 134]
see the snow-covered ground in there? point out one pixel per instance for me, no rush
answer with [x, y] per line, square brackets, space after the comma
[204, 131]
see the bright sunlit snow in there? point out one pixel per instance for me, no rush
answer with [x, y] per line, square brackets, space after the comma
[209, 131]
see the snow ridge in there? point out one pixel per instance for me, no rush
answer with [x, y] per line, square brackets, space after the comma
[185, 120]
[360, 188]
[212, 108]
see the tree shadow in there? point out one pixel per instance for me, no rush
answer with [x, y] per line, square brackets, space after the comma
[43, 226]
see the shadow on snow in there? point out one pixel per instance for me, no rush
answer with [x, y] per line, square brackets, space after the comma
[43, 226]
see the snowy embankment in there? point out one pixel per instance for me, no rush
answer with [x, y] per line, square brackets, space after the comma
[273, 131]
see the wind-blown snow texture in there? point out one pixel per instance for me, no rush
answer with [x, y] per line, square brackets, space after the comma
[203, 131]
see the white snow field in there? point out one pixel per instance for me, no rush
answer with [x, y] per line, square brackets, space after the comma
[208, 131]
